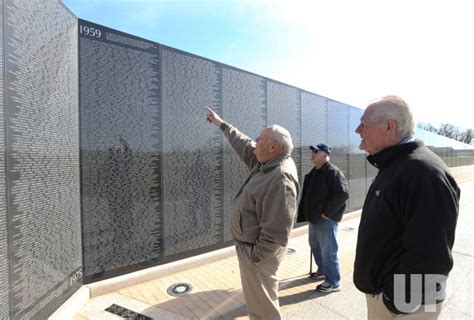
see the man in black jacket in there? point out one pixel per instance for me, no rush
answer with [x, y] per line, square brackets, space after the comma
[408, 221]
[322, 203]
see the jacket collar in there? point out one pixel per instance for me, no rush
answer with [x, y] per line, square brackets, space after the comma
[272, 162]
[323, 167]
[385, 157]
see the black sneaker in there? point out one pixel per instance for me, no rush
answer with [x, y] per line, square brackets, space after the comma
[326, 287]
[317, 276]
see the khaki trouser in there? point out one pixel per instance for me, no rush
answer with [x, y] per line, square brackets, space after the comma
[376, 310]
[259, 283]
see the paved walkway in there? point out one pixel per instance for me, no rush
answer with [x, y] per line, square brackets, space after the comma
[217, 294]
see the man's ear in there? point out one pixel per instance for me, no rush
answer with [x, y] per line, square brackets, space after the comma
[391, 126]
[274, 148]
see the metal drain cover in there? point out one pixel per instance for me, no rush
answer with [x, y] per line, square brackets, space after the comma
[291, 251]
[179, 289]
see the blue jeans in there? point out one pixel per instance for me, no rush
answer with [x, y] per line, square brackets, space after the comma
[323, 243]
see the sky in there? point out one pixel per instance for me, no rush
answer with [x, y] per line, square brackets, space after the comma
[346, 50]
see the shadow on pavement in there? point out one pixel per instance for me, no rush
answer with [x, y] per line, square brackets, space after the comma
[302, 294]
[214, 304]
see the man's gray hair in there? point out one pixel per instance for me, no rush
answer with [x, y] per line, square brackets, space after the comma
[396, 109]
[282, 137]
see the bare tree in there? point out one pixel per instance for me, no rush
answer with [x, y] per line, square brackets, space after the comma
[466, 136]
[450, 131]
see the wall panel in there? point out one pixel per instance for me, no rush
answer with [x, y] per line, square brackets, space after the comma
[243, 105]
[44, 238]
[192, 155]
[314, 127]
[4, 284]
[120, 158]
[338, 134]
[284, 109]
[357, 164]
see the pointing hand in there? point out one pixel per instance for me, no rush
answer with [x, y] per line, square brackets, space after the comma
[213, 117]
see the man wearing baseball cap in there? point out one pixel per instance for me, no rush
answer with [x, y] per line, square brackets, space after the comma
[322, 204]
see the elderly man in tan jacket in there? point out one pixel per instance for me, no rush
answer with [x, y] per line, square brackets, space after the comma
[262, 212]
